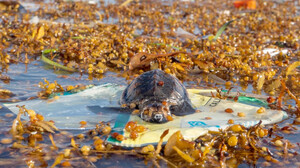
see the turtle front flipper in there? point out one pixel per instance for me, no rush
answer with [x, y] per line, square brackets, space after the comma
[99, 109]
[184, 109]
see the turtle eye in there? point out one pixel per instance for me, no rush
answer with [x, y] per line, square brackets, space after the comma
[143, 58]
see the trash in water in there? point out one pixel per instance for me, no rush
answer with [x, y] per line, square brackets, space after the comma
[101, 103]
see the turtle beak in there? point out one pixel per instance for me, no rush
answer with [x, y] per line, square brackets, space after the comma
[158, 118]
[154, 118]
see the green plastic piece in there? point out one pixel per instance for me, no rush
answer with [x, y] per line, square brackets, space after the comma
[252, 101]
[50, 62]
[220, 31]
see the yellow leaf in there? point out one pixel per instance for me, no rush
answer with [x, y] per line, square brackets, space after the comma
[34, 32]
[183, 155]
[73, 143]
[291, 67]
[52, 141]
[41, 33]
[206, 150]
[172, 142]
[274, 85]
[18, 146]
[209, 147]
[2, 6]
[51, 125]
[161, 141]
[116, 62]
[211, 37]
[44, 126]
[196, 154]
[201, 64]
[58, 160]
[125, 3]
[177, 140]
[101, 65]
[261, 81]
[179, 67]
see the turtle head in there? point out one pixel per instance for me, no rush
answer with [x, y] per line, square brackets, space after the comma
[155, 112]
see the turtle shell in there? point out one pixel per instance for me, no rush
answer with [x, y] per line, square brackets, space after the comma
[157, 86]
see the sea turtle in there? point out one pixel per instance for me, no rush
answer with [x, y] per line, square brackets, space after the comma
[157, 94]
